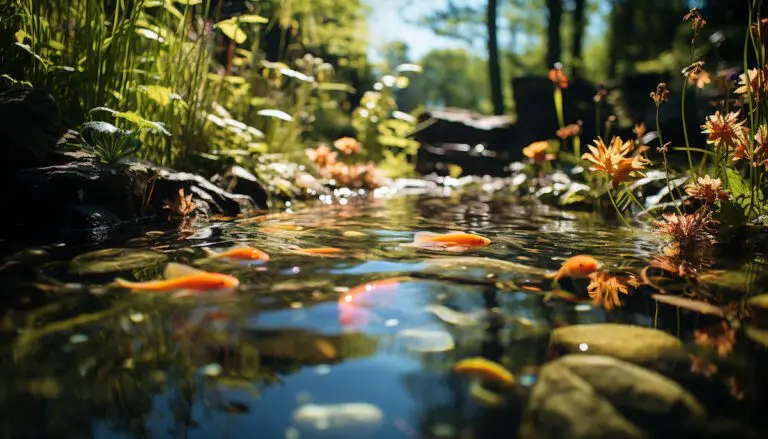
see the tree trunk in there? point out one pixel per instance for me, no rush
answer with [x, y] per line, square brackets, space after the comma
[578, 35]
[554, 46]
[494, 68]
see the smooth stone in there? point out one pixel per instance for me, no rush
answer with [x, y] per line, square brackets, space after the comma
[631, 343]
[113, 260]
[596, 397]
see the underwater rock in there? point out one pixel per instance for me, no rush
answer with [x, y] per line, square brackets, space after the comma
[88, 217]
[112, 260]
[593, 396]
[237, 180]
[31, 127]
[631, 343]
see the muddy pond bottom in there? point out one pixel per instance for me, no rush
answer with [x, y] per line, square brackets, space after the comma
[360, 339]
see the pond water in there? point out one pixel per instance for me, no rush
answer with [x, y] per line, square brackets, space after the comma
[358, 343]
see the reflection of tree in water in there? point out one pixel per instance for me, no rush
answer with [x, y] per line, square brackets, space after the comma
[65, 373]
[445, 408]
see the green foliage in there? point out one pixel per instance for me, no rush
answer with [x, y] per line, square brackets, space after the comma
[109, 143]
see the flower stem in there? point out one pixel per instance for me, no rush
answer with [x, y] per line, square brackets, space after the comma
[559, 106]
[685, 131]
[624, 220]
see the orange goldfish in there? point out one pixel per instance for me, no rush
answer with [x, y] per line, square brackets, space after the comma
[576, 267]
[182, 277]
[240, 252]
[453, 241]
[321, 251]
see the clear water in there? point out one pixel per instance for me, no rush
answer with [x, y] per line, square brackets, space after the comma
[81, 358]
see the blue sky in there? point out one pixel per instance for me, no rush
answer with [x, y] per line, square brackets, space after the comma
[386, 24]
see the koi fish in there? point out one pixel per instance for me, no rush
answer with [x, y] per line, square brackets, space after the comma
[239, 252]
[576, 267]
[320, 251]
[452, 241]
[183, 277]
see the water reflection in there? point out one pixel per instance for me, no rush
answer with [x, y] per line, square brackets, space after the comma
[360, 345]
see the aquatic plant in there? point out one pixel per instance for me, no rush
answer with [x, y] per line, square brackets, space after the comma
[604, 290]
[689, 232]
[182, 206]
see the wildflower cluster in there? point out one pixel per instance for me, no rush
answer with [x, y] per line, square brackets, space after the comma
[615, 160]
[356, 175]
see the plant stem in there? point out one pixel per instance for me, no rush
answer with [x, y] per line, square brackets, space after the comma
[617, 209]
[685, 131]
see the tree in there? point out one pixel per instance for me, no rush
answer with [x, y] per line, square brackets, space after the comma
[554, 45]
[451, 78]
[494, 68]
[579, 25]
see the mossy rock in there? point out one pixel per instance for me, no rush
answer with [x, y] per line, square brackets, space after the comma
[627, 342]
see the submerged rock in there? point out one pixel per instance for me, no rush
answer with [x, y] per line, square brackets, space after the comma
[112, 260]
[591, 396]
[631, 343]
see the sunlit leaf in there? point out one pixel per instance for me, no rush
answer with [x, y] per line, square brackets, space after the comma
[736, 183]
[230, 28]
[335, 86]
[161, 95]
[252, 18]
[56, 45]
[278, 114]
[20, 36]
[172, 9]
[189, 2]
[149, 34]
[135, 119]
[409, 68]
[28, 49]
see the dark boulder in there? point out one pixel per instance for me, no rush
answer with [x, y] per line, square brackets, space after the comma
[80, 193]
[31, 126]
[238, 180]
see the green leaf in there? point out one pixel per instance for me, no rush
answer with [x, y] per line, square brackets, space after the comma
[335, 86]
[189, 2]
[135, 119]
[20, 36]
[161, 95]
[230, 28]
[736, 184]
[172, 9]
[252, 18]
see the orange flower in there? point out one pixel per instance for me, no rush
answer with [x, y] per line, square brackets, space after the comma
[571, 130]
[604, 289]
[707, 189]
[696, 19]
[322, 156]
[702, 365]
[348, 145]
[725, 131]
[639, 131]
[721, 336]
[688, 231]
[700, 79]
[558, 76]
[537, 151]
[661, 94]
[615, 160]
[756, 86]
